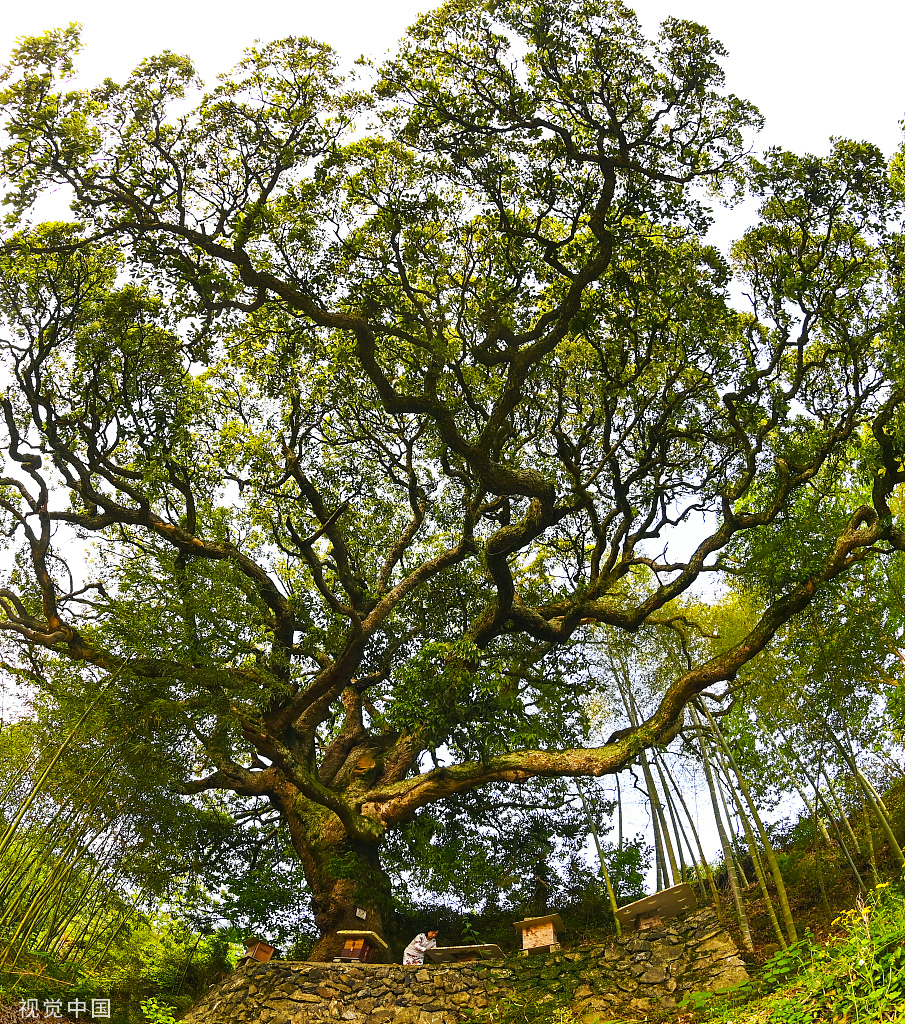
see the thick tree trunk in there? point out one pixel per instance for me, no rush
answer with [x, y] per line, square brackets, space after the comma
[349, 888]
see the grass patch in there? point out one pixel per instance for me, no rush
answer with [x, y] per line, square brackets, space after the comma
[856, 977]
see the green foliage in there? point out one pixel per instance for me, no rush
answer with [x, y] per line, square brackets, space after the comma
[43, 974]
[162, 954]
[514, 1008]
[628, 866]
[153, 960]
[784, 965]
[156, 1012]
[856, 975]
[452, 850]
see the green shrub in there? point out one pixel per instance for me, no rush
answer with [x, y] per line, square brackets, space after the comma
[156, 1012]
[856, 976]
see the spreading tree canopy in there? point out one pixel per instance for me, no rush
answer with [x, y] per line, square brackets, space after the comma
[342, 414]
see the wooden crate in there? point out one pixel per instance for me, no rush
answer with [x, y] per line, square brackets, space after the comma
[256, 949]
[540, 934]
[359, 946]
[652, 911]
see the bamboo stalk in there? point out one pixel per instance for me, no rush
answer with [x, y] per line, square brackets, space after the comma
[769, 852]
[878, 812]
[818, 860]
[733, 835]
[662, 842]
[603, 868]
[795, 784]
[831, 818]
[728, 854]
[841, 813]
[714, 892]
[677, 829]
[619, 842]
[660, 819]
[755, 856]
[38, 786]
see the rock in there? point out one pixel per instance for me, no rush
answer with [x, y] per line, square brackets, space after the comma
[652, 977]
[655, 967]
[717, 944]
[734, 974]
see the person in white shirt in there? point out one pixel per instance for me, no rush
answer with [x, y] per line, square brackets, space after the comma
[414, 951]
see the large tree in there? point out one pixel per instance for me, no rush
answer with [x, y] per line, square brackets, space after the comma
[340, 417]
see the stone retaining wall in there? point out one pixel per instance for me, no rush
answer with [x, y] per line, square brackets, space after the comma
[642, 972]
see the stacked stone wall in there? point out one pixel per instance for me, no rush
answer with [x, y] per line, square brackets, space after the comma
[644, 971]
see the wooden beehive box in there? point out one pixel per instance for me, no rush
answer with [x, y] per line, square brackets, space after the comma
[540, 934]
[257, 949]
[359, 945]
[652, 911]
